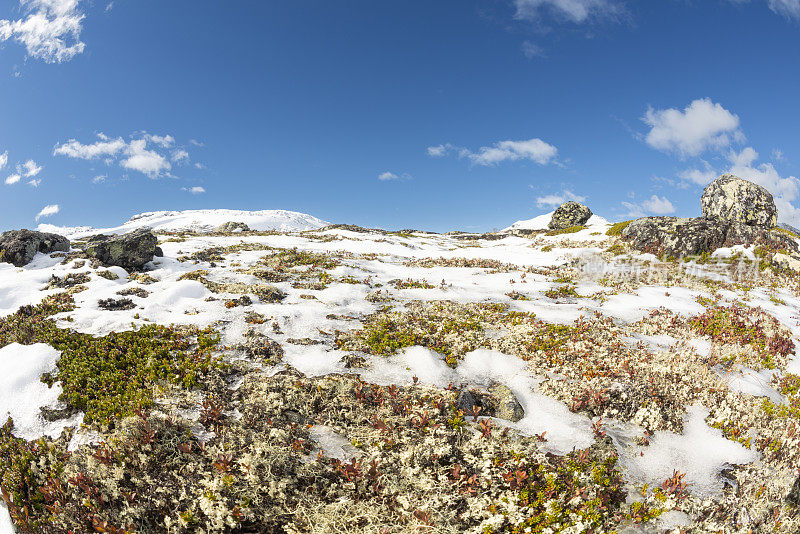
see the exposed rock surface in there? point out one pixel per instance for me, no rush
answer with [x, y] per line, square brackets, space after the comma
[734, 201]
[130, 251]
[735, 212]
[498, 402]
[232, 226]
[20, 246]
[569, 214]
[674, 236]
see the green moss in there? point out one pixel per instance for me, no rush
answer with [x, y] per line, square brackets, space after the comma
[562, 291]
[617, 228]
[570, 230]
[114, 375]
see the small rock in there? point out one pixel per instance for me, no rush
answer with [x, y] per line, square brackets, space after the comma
[569, 214]
[732, 200]
[116, 304]
[784, 261]
[130, 251]
[158, 253]
[20, 246]
[506, 406]
[231, 227]
[793, 498]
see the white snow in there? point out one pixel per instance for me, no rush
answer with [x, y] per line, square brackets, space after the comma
[540, 222]
[200, 221]
[22, 393]
[701, 452]
[751, 382]
[333, 444]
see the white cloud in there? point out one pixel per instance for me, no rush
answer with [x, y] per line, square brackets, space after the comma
[34, 182]
[195, 142]
[99, 179]
[199, 165]
[3, 160]
[555, 200]
[47, 211]
[777, 153]
[788, 8]
[165, 141]
[146, 153]
[104, 147]
[655, 205]
[531, 50]
[578, 11]
[145, 161]
[437, 151]
[534, 150]
[51, 29]
[29, 169]
[196, 190]
[700, 126]
[388, 176]
[180, 156]
[14, 178]
[701, 177]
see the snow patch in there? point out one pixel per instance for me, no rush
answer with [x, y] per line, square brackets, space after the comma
[23, 394]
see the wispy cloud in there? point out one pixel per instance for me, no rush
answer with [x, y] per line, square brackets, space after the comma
[48, 211]
[196, 190]
[577, 11]
[531, 50]
[702, 125]
[14, 178]
[655, 205]
[534, 150]
[145, 153]
[556, 199]
[50, 29]
[3, 160]
[390, 176]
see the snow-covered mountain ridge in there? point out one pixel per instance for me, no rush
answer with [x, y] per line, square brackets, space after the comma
[200, 221]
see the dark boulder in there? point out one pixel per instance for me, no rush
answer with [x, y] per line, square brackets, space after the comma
[130, 251]
[569, 214]
[674, 236]
[20, 246]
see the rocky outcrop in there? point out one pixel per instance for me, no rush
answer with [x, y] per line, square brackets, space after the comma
[735, 212]
[130, 251]
[736, 202]
[232, 226]
[674, 236]
[569, 214]
[20, 246]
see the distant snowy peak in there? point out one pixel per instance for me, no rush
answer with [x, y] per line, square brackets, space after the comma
[541, 222]
[200, 221]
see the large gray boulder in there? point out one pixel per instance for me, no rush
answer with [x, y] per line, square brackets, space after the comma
[674, 236]
[734, 201]
[130, 251]
[569, 214]
[20, 246]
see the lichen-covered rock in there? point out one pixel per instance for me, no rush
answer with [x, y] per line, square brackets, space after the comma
[674, 236]
[773, 239]
[569, 214]
[794, 495]
[232, 226]
[20, 246]
[732, 200]
[130, 251]
[506, 405]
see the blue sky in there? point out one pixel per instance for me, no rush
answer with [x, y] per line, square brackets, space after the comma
[437, 115]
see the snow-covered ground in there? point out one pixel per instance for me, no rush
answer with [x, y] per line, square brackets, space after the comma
[377, 259]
